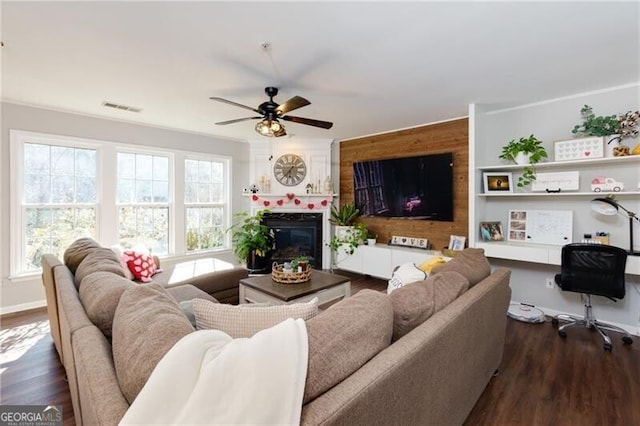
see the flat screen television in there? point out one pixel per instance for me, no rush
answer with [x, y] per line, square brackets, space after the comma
[410, 187]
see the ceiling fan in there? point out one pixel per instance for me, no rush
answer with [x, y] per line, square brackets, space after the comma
[270, 112]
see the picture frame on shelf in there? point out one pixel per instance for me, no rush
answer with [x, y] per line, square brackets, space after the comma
[517, 230]
[578, 149]
[491, 231]
[497, 182]
[456, 242]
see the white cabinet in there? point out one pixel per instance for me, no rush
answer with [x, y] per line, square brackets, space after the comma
[380, 260]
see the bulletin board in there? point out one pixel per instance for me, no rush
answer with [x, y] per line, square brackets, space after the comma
[541, 226]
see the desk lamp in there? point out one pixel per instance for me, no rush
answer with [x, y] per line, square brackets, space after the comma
[609, 206]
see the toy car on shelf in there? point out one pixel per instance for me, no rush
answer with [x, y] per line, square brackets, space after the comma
[601, 183]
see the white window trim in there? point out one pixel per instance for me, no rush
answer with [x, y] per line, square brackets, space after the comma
[107, 212]
[17, 139]
[227, 200]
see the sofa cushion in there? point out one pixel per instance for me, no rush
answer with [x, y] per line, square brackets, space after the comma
[147, 323]
[247, 320]
[99, 260]
[414, 303]
[77, 251]
[471, 263]
[344, 337]
[141, 265]
[100, 293]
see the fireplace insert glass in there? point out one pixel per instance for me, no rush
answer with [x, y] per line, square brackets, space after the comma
[296, 234]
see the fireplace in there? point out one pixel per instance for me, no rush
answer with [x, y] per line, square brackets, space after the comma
[296, 234]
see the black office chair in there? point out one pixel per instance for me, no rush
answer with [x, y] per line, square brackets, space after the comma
[592, 269]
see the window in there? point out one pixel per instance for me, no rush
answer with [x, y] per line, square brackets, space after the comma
[62, 189]
[59, 199]
[205, 201]
[143, 201]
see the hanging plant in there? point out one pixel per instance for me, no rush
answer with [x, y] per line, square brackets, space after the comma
[532, 147]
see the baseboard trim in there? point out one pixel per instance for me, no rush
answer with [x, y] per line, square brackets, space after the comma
[552, 313]
[22, 307]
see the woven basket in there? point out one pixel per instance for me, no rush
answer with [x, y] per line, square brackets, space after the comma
[279, 276]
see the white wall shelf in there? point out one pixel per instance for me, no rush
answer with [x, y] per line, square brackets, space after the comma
[562, 194]
[566, 164]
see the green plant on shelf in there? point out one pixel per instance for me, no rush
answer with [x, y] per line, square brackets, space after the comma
[592, 125]
[530, 147]
[349, 241]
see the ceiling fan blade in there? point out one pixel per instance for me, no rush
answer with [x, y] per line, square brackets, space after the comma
[237, 120]
[214, 98]
[293, 103]
[308, 121]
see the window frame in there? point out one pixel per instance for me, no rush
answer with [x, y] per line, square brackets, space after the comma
[107, 207]
[17, 140]
[225, 204]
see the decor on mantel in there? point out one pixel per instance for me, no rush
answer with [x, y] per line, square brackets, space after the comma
[290, 199]
[528, 151]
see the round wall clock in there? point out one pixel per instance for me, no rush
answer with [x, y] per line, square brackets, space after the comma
[289, 169]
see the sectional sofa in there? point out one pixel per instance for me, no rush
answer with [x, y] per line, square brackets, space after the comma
[373, 358]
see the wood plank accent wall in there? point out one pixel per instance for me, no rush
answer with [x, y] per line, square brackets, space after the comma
[450, 136]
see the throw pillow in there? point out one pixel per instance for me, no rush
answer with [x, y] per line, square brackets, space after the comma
[344, 337]
[141, 265]
[100, 293]
[414, 303]
[99, 260]
[119, 252]
[428, 265]
[147, 323]
[77, 251]
[405, 274]
[246, 320]
[470, 262]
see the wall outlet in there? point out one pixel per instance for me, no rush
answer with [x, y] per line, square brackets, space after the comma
[550, 283]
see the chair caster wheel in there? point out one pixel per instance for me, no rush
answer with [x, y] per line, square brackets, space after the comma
[608, 347]
[554, 321]
[627, 340]
[562, 333]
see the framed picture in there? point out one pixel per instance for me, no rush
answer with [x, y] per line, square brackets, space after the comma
[517, 225]
[497, 182]
[456, 242]
[491, 231]
[579, 149]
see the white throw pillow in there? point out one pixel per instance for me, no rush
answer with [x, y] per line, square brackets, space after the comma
[119, 252]
[405, 274]
[247, 320]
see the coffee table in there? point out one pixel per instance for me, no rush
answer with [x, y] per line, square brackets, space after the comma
[327, 287]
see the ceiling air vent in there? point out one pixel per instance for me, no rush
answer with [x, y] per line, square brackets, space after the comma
[121, 107]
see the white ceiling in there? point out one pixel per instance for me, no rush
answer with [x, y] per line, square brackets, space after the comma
[367, 67]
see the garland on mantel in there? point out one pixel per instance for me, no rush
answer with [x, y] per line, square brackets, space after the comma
[291, 198]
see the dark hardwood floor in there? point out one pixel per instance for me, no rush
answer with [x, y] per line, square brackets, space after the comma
[543, 380]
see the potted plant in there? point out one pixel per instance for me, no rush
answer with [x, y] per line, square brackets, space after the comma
[371, 238]
[345, 215]
[527, 151]
[252, 240]
[593, 125]
[356, 236]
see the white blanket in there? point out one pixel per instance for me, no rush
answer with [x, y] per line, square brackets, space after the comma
[210, 378]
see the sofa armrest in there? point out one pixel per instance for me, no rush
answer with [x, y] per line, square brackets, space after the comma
[101, 400]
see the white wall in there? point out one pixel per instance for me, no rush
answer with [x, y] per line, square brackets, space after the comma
[27, 292]
[549, 121]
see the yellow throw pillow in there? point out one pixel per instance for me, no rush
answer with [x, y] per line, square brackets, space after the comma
[429, 264]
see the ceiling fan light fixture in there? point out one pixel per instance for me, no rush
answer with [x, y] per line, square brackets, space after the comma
[270, 128]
